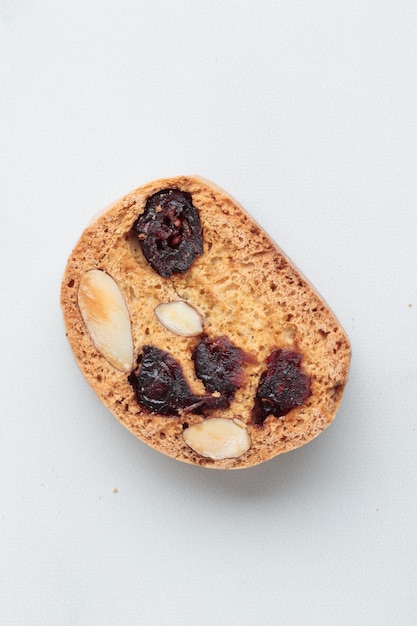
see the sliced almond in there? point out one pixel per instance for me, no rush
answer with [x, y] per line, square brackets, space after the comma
[218, 438]
[180, 318]
[106, 317]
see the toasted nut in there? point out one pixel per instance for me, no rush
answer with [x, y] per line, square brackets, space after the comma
[218, 438]
[180, 318]
[106, 317]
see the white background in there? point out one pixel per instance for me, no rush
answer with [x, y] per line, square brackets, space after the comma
[306, 112]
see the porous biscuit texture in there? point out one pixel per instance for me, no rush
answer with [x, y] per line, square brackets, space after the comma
[244, 287]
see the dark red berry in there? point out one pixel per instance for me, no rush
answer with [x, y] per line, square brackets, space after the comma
[169, 232]
[283, 386]
[160, 385]
[218, 363]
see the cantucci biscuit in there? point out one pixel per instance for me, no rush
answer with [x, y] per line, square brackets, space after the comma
[197, 332]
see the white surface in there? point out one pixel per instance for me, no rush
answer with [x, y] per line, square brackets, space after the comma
[307, 113]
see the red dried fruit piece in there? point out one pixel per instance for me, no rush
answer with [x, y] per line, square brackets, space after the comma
[283, 386]
[160, 385]
[218, 363]
[169, 232]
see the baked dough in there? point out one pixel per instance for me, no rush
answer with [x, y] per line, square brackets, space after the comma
[244, 288]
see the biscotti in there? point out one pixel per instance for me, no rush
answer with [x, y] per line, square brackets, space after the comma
[197, 332]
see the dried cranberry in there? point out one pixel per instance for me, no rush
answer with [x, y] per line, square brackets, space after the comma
[160, 385]
[283, 386]
[218, 363]
[169, 232]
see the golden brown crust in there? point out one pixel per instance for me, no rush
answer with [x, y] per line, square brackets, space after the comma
[245, 288]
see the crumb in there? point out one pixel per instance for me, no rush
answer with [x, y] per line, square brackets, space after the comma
[115, 490]
[410, 305]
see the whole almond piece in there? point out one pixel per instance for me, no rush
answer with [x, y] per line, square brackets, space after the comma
[218, 438]
[106, 317]
[180, 318]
